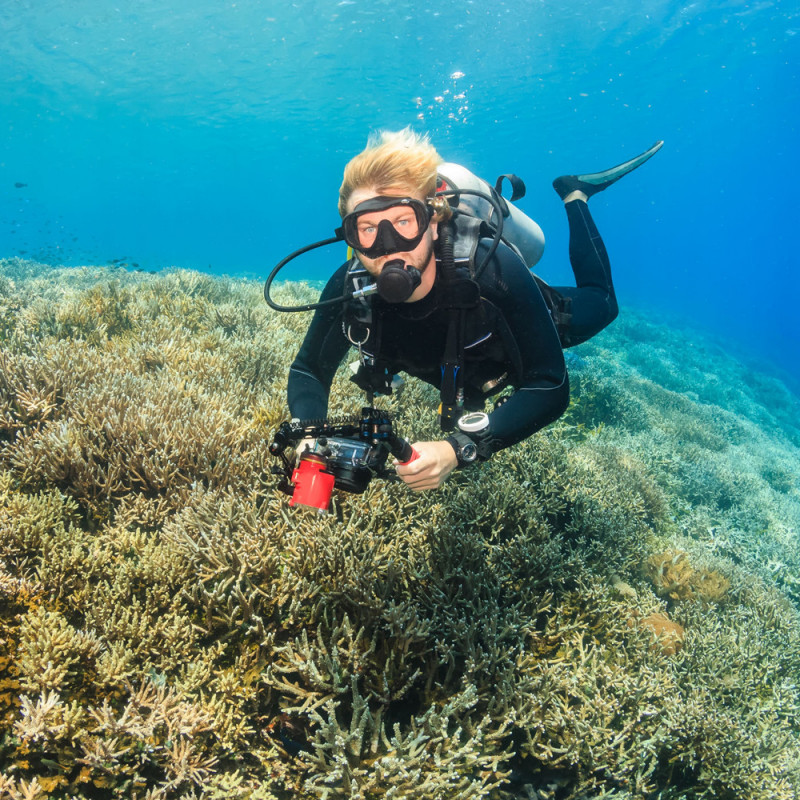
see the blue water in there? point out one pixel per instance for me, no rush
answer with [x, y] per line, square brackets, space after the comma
[213, 135]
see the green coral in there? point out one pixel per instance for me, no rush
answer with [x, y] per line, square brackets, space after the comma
[171, 628]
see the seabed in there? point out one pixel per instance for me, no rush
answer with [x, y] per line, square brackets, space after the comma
[607, 610]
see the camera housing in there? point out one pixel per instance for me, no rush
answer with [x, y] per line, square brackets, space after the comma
[338, 455]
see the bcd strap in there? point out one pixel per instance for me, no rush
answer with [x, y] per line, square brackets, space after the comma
[468, 233]
[463, 296]
[517, 186]
[450, 390]
[459, 294]
[560, 308]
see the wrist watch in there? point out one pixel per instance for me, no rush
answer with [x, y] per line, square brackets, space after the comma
[466, 449]
[468, 441]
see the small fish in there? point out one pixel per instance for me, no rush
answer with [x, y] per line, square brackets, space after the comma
[19, 185]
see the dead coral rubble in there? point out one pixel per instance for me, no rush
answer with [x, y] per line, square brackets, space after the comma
[170, 628]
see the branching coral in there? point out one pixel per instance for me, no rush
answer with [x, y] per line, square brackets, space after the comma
[171, 628]
[442, 753]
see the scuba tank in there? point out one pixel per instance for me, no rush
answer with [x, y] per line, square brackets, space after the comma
[520, 232]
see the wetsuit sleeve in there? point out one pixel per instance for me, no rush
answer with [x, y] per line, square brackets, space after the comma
[534, 351]
[324, 347]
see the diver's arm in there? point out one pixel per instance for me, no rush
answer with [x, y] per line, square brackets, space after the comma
[323, 349]
[542, 393]
[307, 395]
[529, 409]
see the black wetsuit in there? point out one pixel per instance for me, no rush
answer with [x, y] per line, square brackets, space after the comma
[510, 339]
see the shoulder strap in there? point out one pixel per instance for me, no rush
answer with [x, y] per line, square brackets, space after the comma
[357, 316]
[467, 235]
[517, 186]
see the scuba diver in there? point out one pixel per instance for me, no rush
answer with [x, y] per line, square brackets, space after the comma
[440, 287]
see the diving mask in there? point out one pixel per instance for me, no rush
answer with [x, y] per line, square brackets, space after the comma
[384, 225]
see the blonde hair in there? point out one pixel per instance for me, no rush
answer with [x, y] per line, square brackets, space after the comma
[392, 162]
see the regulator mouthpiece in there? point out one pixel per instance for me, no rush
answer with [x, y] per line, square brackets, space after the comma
[397, 281]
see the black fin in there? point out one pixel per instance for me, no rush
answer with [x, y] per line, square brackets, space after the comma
[593, 182]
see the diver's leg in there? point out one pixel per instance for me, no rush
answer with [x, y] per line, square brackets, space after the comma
[593, 302]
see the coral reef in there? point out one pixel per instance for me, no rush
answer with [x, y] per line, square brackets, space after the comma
[610, 609]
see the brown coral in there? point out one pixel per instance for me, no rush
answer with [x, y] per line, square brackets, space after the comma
[668, 635]
[674, 577]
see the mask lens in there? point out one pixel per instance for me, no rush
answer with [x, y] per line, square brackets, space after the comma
[384, 225]
[402, 219]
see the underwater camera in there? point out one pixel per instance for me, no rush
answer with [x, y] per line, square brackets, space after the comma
[344, 456]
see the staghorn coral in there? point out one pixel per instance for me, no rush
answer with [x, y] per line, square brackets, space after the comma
[170, 628]
[674, 577]
[442, 753]
[51, 654]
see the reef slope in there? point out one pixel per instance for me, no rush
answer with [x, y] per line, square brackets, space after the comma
[608, 610]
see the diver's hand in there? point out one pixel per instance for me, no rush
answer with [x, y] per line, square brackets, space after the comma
[436, 461]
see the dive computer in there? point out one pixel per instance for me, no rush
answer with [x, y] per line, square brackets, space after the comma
[469, 441]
